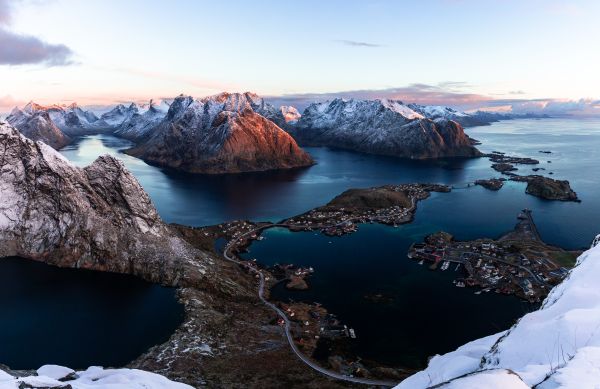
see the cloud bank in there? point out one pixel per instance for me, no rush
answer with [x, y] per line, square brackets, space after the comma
[17, 49]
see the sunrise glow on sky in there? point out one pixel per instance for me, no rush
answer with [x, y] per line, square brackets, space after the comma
[464, 53]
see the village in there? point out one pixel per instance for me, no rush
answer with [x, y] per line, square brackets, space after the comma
[390, 205]
[518, 263]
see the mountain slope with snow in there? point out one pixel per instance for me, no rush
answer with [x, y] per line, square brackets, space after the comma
[37, 126]
[71, 119]
[386, 127]
[226, 133]
[139, 125]
[119, 114]
[557, 346]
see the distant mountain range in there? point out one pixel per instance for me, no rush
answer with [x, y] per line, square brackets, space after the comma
[235, 132]
[385, 127]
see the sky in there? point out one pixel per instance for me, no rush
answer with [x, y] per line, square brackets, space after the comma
[520, 55]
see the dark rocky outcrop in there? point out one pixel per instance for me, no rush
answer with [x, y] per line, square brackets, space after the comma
[220, 134]
[503, 167]
[492, 183]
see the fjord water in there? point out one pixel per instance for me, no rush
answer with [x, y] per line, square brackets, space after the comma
[427, 314]
[575, 145]
[79, 318]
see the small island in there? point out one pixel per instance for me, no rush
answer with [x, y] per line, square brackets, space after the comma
[491, 184]
[548, 188]
[504, 168]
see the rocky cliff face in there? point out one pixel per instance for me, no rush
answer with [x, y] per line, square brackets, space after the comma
[385, 127]
[225, 133]
[97, 218]
[38, 126]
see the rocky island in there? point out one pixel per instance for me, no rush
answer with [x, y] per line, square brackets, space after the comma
[385, 127]
[492, 183]
[219, 134]
[548, 188]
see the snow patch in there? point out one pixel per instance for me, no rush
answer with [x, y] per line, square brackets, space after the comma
[93, 377]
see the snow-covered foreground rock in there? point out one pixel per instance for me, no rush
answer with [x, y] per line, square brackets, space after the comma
[557, 346]
[50, 376]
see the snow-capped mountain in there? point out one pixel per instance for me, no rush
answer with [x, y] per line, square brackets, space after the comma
[119, 114]
[139, 125]
[71, 119]
[224, 133]
[281, 116]
[386, 127]
[557, 346]
[290, 114]
[468, 119]
[37, 126]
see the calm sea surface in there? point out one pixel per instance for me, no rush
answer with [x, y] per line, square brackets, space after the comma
[79, 318]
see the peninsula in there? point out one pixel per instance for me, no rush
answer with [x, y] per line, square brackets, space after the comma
[518, 262]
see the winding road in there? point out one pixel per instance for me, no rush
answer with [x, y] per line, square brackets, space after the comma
[287, 327]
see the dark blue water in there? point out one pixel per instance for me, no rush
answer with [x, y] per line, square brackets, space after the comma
[428, 315]
[79, 318]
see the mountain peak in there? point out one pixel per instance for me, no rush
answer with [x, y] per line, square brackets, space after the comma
[223, 133]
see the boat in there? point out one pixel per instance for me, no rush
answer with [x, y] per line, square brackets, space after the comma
[421, 261]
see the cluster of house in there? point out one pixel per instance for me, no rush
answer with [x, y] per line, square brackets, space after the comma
[344, 220]
[493, 266]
